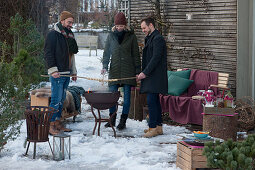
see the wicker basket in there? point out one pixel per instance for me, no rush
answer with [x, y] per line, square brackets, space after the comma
[245, 107]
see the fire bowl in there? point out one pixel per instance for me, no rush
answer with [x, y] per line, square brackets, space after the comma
[102, 99]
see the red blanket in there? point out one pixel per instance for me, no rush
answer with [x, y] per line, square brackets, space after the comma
[183, 109]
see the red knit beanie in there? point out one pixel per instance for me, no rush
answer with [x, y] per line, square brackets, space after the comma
[65, 14]
[120, 19]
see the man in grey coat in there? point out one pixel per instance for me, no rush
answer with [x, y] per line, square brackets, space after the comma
[154, 74]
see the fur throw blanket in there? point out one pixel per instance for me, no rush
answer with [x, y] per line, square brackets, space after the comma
[42, 92]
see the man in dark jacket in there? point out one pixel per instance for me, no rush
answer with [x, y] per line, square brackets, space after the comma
[154, 75]
[60, 47]
[122, 52]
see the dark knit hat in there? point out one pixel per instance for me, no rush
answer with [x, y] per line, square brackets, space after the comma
[65, 14]
[120, 19]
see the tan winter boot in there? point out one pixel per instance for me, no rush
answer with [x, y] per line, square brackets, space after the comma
[151, 133]
[53, 130]
[159, 130]
[147, 130]
[61, 127]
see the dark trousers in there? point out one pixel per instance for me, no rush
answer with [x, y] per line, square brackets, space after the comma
[155, 112]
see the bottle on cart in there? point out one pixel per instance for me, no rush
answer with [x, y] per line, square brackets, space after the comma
[229, 100]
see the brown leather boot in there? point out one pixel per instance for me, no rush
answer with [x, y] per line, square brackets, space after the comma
[53, 130]
[151, 133]
[61, 127]
[159, 129]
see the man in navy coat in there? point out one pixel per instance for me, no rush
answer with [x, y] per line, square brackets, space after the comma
[154, 74]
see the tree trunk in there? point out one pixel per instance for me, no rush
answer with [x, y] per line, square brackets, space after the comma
[223, 127]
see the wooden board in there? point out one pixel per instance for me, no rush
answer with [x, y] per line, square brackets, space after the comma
[218, 110]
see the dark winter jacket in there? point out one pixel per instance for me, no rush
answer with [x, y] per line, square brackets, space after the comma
[154, 64]
[124, 58]
[56, 53]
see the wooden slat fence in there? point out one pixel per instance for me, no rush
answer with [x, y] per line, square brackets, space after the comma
[207, 41]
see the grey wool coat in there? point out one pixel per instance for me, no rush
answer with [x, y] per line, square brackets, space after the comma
[124, 59]
[154, 64]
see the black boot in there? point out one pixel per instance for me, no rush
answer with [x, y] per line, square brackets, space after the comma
[113, 120]
[122, 124]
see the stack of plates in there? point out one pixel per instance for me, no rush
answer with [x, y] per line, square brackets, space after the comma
[191, 140]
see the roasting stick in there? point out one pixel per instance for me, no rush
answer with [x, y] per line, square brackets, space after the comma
[103, 80]
[100, 80]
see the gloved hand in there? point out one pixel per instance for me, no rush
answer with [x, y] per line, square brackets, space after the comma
[103, 71]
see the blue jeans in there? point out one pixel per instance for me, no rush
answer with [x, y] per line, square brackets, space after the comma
[58, 95]
[155, 112]
[127, 91]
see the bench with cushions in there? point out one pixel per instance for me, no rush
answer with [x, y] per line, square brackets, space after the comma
[182, 85]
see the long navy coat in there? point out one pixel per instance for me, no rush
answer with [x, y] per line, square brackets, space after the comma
[154, 64]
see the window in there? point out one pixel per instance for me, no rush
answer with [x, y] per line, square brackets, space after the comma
[124, 6]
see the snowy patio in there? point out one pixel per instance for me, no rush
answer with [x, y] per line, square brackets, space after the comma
[128, 151]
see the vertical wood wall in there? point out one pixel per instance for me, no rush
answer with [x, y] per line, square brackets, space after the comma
[138, 10]
[207, 41]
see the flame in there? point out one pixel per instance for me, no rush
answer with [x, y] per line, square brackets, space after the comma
[88, 90]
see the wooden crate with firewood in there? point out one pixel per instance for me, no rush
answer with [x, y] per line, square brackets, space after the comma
[189, 157]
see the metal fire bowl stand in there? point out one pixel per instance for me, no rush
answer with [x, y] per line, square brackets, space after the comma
[102, 101]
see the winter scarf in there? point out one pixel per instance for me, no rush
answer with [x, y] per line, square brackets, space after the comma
[72, 44]
[120, 35]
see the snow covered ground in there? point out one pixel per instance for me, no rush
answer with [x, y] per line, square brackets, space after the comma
[128, 151]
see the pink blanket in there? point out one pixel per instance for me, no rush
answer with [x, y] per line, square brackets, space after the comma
[183, 109]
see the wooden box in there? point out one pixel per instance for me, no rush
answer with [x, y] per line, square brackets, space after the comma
[137, 101]
[189, 158]
[39, 101]
[145, 112]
